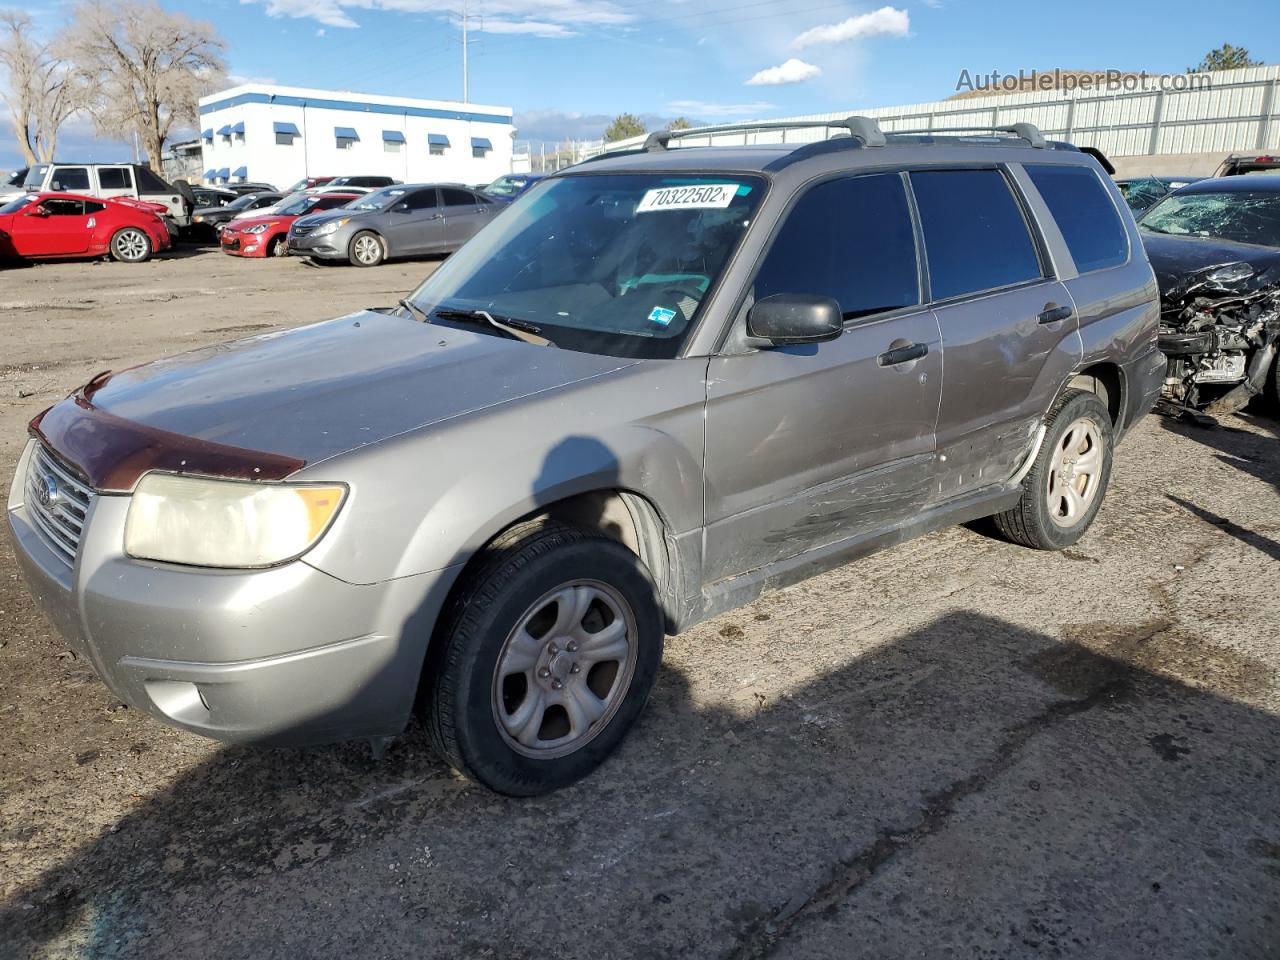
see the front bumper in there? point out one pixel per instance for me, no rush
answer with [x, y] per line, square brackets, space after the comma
[332, 246]
[287, 656]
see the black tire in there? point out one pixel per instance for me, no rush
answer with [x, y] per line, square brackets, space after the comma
[1031, 523]
[370, 241]
[522, 566]
[130, 245]
[1273, 385]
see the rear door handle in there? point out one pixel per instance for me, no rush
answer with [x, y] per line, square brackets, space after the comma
[912, 351]
[1052, 313]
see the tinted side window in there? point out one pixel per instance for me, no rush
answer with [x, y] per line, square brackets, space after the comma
[91, 207]
[1085, 214]
[69, 178]
[329, 202]
[421, 200]
[975, 236]
[148, 182]
[114, 178]
[851, 240]
[457, 198]
[64, 208]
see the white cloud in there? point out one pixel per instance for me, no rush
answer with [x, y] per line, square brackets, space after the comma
[885, 22]
[793, 71]
[700, 108]
[320, 31]
[538, 18]
[236, 79]
[534, 28]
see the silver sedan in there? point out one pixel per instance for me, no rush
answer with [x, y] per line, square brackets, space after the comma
[405, 220]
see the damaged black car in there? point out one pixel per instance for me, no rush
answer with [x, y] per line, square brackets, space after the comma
[1215, 248]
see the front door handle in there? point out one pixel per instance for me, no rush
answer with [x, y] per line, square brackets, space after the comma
[912, 351]
[1052, 313]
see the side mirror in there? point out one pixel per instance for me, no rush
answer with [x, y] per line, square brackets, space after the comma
[37, 211]
[795, 318]
[401, 207]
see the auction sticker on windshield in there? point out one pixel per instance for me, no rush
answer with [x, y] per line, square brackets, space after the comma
[702, 196]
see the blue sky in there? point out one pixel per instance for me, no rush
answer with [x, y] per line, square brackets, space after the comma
[566, 66]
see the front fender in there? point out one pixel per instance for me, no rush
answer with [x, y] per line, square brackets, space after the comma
[430, 499]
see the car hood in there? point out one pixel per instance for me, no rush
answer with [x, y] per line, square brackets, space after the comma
[314, 392]
[324, 216]
[247, 222]
[1176, 258]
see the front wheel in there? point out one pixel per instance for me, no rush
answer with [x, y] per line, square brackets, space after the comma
[279, 247]
[549, 658]
[366, 249]
[1063, 491]
[130, 245]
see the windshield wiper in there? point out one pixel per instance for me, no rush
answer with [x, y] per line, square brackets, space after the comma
[414, 309]
[519, 329]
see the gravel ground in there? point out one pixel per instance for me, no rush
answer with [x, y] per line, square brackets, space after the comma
[956, 747]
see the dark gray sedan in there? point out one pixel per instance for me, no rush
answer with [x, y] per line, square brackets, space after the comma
[405, 220]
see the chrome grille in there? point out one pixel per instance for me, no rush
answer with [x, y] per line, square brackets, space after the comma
[57, 502]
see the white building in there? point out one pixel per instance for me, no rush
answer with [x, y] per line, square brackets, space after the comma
[268, 134]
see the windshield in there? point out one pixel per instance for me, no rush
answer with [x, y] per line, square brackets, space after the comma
[1240, 216]
[35, 176]
[504, 187]
[615, 264]
[378, 200]
[296, 205]
[13, 206]
[243, 202]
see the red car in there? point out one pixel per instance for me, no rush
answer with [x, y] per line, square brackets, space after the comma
[42, 226]
[265, 236]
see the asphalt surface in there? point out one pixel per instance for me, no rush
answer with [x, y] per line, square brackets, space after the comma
[954, 748]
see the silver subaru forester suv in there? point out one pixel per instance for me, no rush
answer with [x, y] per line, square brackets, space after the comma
[659, 383]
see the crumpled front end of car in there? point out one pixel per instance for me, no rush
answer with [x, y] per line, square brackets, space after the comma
[1219, 329]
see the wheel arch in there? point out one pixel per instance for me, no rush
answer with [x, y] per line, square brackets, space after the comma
[1107, 381]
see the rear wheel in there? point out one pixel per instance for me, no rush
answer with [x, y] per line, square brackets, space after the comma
[130, 245]
[547, 662]
[366, 249]
[1063, 491]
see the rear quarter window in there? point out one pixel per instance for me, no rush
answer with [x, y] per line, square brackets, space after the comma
[975, 235]
[1085, 214]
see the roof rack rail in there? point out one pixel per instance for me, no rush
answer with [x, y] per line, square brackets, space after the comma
[864, 129]
[1024, 131]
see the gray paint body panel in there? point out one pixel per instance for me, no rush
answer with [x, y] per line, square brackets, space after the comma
[759, 466]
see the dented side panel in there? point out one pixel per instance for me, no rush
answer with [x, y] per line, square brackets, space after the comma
[809, 444]
[1003, 369]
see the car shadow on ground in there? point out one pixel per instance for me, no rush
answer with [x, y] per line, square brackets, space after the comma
[970, 788]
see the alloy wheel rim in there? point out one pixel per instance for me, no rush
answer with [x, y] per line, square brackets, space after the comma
[367, 250]
[131, 245]
[1075, 470]
[564, 669]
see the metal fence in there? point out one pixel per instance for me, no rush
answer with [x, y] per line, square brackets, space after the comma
[1234, 110]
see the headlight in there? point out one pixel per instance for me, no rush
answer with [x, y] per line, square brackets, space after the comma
[260, 228]
[227, 523]
[331, 226]
[1231, 272]
[197, 219]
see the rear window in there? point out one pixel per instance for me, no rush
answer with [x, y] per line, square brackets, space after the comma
[850, 240]
[975, 235]
[1085, 215]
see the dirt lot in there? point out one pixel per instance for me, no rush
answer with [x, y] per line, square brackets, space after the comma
[954, 748]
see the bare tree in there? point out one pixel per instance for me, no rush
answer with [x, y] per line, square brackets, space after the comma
[146, 66]
[42, 90]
